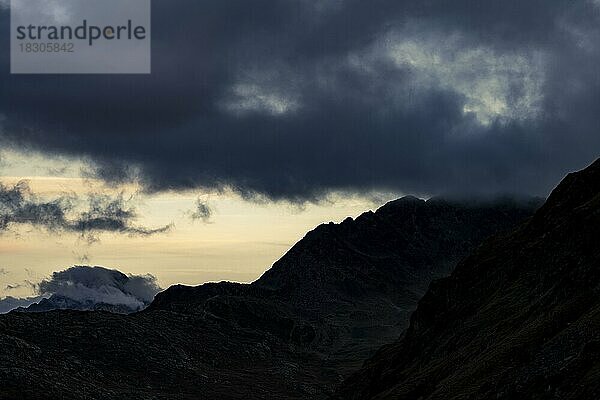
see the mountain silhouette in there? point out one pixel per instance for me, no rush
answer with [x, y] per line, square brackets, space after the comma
[517, 319]
[336, 297]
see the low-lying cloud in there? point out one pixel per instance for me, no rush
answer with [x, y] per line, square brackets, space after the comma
[84, 287]
[20, 206]
[10, 303]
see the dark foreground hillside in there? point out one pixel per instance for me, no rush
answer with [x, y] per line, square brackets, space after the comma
[518, 319]
[328, 304]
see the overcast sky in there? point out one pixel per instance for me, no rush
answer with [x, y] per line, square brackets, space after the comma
[295, 99]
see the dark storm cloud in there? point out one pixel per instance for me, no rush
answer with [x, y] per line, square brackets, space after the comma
[202, 211]
[19, 206]
[292, 99]
[108, 214]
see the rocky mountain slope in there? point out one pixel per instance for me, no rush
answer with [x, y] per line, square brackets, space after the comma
[518, 319]
[361, 279]
[332, 300]
[351, 287]
[55, 302]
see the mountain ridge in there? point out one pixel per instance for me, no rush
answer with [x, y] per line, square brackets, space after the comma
[518, 318]
[338, 295]
[380, 260]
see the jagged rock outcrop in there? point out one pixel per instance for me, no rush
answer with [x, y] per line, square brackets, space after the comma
[332, 300]
[518, 319]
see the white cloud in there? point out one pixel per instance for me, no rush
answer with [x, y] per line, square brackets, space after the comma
[91, 285]
[495, 85]
[252, 97]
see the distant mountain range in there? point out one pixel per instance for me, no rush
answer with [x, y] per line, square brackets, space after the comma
[57, 302]
[296, 333]
[87, 288]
